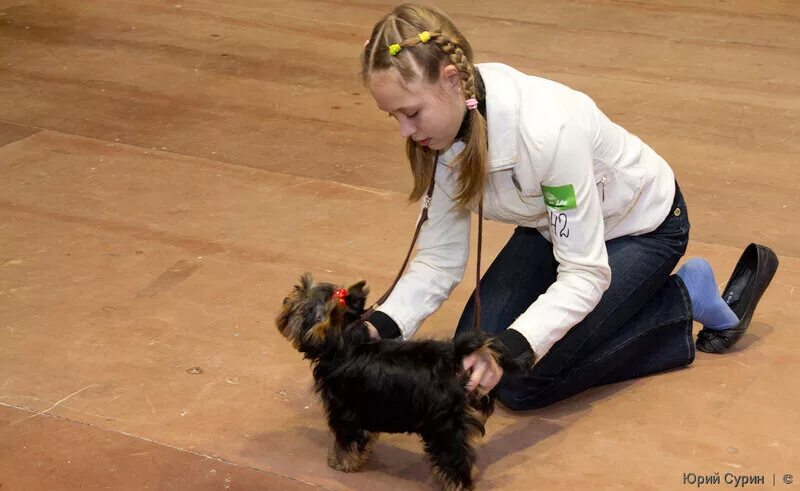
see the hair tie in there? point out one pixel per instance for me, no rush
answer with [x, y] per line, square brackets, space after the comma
[472, 104]
[424, 37]
[394, 49]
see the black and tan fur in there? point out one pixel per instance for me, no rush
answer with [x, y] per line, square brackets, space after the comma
[370, 387]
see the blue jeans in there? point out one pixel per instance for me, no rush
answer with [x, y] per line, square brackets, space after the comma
[642, 325]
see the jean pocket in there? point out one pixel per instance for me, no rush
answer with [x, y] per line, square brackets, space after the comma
[676, 224]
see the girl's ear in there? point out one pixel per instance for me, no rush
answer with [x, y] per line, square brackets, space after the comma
[451, 77]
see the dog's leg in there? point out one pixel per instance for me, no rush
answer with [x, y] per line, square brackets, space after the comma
[450, 449]
[480, 407]
[351, 448]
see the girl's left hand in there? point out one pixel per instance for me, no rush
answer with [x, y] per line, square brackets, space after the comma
[486, 373]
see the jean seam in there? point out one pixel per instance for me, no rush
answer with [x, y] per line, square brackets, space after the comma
[687, 302]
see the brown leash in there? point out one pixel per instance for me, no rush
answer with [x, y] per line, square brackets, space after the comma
[477, 324]
[423, 218]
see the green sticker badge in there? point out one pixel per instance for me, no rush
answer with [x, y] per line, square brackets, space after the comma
[561, 198]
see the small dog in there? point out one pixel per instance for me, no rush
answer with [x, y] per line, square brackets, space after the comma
[369, 386]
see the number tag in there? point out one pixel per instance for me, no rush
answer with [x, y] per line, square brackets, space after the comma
[559, 200]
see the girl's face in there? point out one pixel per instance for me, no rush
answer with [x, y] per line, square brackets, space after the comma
[431, 114]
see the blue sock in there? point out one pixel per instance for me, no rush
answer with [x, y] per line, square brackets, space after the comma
[708, 306]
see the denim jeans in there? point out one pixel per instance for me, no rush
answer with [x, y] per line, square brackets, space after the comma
[642, 324]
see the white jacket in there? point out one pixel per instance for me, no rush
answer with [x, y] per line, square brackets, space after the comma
[558, 164]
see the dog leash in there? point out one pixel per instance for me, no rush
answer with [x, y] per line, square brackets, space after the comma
[423, 218]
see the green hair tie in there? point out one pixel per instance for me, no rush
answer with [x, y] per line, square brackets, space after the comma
[394, 49]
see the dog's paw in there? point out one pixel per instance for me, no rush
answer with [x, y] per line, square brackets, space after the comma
[447, 482]
[349, 459]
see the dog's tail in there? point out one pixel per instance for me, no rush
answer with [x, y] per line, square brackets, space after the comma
[471, 341]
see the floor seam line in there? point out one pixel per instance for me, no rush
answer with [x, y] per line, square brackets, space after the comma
[149, 440]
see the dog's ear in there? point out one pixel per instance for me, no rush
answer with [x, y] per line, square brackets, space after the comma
[357, 295]
[306, 282]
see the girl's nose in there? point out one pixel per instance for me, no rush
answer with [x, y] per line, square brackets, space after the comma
[406, 128]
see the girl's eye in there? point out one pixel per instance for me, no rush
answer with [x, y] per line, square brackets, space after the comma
[407, 115]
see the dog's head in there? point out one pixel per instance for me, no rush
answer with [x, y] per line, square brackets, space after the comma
[314, 315]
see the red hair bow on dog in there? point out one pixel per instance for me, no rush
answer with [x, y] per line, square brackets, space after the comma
[340, 295]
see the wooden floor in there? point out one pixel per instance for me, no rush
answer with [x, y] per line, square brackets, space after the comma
[168, 169]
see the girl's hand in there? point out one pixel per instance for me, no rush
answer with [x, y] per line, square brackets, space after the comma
[486, 373]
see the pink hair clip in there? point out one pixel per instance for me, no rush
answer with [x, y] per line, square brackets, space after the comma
[366, 43]
[472, 104]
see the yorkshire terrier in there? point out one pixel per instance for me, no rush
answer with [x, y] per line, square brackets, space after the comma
[390, 386]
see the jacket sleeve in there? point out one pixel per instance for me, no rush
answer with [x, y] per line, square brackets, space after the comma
[577, 233]
[437, 267]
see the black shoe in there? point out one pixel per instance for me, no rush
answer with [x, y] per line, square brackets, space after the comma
[750, 278]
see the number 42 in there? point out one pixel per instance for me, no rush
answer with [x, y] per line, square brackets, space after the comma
[559, 224]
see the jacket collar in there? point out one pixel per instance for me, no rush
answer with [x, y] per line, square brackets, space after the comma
[502, 117]
[502, 113]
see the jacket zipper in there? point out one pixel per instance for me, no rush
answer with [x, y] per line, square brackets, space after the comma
[602, 184]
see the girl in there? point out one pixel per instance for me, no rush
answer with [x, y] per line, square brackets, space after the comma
[583, 287]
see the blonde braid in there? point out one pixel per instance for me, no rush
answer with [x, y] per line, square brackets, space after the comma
[465, 67]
